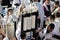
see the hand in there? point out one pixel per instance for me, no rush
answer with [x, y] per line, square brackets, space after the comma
[38, 17]
[21, 8]
[3, 32]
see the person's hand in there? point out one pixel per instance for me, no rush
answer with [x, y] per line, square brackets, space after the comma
[53, 13]
[2, 32]
[21, 8]
[38, 17]
[32, 38]
[39, 30]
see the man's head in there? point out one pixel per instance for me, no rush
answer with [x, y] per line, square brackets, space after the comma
[10, 12]
[47, 1]
[23, 35]
[57, 3]
[50, 27]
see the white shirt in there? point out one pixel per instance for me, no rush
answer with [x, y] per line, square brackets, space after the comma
[51, 6]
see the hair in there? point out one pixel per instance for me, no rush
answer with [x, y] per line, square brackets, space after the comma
[47, 0]
[57, 3]
[52, 17]
[10, 9]
[52, 26]
[23, 35]
[38, 0]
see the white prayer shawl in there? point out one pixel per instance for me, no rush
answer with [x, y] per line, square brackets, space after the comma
[51, 6]
[18, 31]
[44, 33]
[55, 11]
[57, 28]
[47, 35]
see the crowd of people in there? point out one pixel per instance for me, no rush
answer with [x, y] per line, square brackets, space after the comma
[48, 19]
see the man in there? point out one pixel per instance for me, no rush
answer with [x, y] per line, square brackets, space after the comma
[56, 30]
[48, 7]
[8, 16]
[41, 12]
[56, 12]
[56, 5]
[46, 33]
[58, 1]
[9, 21]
